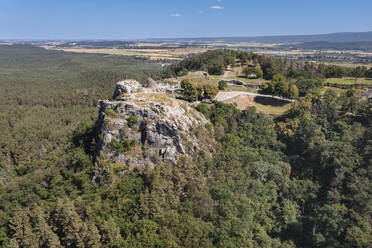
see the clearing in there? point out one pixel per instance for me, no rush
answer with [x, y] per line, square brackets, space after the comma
[349, 81]
[264, 105]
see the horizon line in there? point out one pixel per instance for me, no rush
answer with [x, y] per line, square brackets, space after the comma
[175, 38]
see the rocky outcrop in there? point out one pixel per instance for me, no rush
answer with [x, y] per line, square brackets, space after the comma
[146, 127]
[126, 87]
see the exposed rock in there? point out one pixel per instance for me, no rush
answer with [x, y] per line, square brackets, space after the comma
[151, 83]
[128, 86]
[163, 130]
[202, 74]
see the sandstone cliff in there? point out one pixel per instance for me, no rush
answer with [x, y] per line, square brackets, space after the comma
[144, 126]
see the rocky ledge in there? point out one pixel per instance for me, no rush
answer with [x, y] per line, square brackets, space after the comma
[144, 126]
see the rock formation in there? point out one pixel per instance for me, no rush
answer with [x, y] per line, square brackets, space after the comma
[143, 127]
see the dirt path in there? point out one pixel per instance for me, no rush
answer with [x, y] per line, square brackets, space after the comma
[226, 95]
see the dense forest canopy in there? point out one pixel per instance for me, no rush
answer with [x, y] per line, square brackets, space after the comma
[298, 180]
[45, 94]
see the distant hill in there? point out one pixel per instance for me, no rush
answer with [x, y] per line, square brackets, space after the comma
[326, 45]
[334, 37]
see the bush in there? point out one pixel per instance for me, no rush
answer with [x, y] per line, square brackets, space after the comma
[210, 91]
[122, 146]
[204, 109]
[132, 120]
[182, 73]
[110, 112]
[222, 85]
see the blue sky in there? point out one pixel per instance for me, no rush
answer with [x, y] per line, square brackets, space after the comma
[131, 19]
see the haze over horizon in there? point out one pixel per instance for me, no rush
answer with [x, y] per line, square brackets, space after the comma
[113, 19]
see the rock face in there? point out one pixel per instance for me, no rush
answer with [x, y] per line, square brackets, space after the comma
[126, 87]
[143, 127]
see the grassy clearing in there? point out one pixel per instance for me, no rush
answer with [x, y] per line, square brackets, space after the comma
[240, 88]
[350, 65]
[349, 81]
[247, 80]
[265, 106]
[338, 91]
[272, 110]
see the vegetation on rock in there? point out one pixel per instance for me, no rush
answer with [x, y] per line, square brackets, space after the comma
[122, 146]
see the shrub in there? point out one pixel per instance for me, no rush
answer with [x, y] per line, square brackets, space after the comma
[132, 120]
[110, 112]
[182, 73]
[222, 85]
[210, 91]
[122, 146]
[204, 109]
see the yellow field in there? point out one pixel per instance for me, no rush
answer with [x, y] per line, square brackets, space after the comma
[151, 54]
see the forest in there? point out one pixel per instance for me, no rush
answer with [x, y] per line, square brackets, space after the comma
[302, 179]
[45, 94]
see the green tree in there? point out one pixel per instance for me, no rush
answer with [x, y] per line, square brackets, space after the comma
[210, 91]
[253, 70]
[216, 68]
[350, 101]
[358, 72]
[281, 89]
[306, 85]
[293, 91]
[277, 78]
[190, 93]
